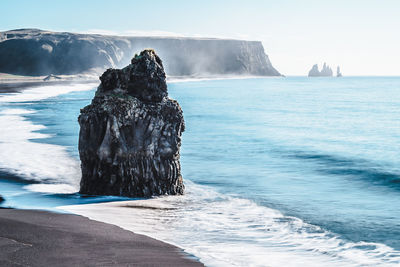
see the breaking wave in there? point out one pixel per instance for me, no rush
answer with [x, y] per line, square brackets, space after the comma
[49, 167]
[222, 230]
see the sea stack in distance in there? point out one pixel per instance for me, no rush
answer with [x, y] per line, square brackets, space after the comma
[338, 73]
[130, 134]
[326, 71]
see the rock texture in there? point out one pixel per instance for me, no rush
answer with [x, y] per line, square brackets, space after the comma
[130, 134]
[326, 71]
[37, 52]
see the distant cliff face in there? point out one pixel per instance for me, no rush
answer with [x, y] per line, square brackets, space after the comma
[36, 52]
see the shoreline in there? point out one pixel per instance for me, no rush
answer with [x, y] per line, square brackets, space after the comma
[33, 237]
[19, 85]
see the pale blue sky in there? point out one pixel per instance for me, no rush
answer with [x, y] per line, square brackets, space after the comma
[361, 36]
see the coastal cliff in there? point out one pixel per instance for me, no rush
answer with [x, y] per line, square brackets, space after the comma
[37, 52]
[130, 134]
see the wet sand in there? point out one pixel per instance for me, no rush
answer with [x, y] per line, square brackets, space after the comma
[40, 238]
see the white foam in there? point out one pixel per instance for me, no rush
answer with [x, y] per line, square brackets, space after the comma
[49, 164]
[34, 161]
[53, 188]
[43, 92]
[16, 111]
[229, 231]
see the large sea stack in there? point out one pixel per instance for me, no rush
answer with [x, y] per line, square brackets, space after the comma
[130, 134]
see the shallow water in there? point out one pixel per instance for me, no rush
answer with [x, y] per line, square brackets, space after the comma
[279, 170]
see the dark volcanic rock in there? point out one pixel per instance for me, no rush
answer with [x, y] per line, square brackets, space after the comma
[131, 133]
[144, 78]
[1, 199]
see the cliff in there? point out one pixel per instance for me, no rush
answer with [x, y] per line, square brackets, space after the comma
[37, 52]
[130, 134]
[326, 71]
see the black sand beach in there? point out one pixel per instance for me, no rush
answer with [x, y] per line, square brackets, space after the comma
[40, 238]
[14, 87]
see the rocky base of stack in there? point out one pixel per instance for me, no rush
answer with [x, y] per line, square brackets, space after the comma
[130, 148]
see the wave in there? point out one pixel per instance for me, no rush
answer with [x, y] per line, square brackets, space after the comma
[38, 162]
[362, 170]
[43, 92]
[223, 230]
[49, 167]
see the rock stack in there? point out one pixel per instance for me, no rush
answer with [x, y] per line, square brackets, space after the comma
[130, 134]
[338, 73]
[314, 72]
[326, 71]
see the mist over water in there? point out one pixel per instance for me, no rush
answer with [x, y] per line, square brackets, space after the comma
[279, 171]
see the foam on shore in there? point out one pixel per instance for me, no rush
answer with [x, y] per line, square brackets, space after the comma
[43, 92]
[229, 231]
[21, 155]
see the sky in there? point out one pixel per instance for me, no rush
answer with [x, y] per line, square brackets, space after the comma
[360, 36]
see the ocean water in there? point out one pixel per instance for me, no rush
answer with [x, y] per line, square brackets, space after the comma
[290, 171]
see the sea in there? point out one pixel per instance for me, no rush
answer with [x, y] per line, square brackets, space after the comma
[285, 171]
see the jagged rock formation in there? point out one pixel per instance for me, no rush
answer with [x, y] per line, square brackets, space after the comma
[1, 199]
[37, 52]
[338, 73]
[326, 71]
[314, 72]
[130, 134]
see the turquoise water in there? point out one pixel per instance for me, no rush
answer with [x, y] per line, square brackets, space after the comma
[322, 150]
